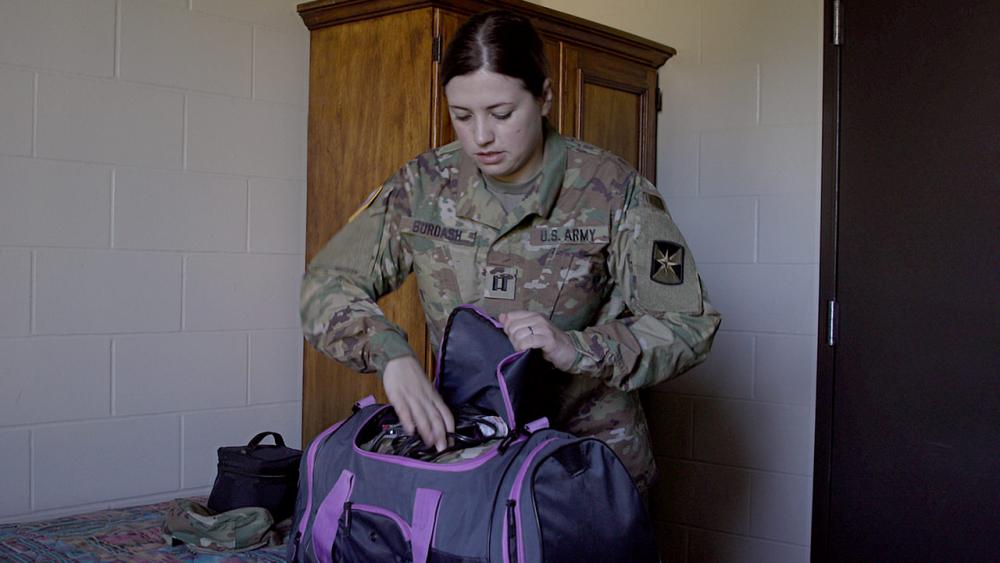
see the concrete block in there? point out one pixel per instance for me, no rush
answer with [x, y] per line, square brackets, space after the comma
[710, 547]
[728, 371]
[165, 43]
[63, 35]
[764, 298]
[100, 121]
[180, 372]
[54, 379]
[246, 137]
[15, 466]
[99, 461]
[699, 219]
[85, 292]
[702, 495]
[277, 216]
[159, 210]
[786, 369]
[50, 203]
[17, 106]
[230, 291]
[277, 14]
[275, 366]
[281, 66]
[760, 160]
[781, 507]
[789, 228]
[765, 436]
[15, 292]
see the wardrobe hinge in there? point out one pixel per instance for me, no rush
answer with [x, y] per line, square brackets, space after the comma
[838, 23]
[659, 100]
[831, 323]
[436, 48]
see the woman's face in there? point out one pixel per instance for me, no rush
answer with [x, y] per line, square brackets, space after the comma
[499, 123]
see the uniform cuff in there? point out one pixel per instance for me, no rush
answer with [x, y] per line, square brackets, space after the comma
[387, 346]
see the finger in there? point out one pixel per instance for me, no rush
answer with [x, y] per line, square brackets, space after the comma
[423, 424]
[438, 435]
[446, 416]
[405, 418]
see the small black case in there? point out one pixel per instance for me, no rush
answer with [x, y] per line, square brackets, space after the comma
[257, 475]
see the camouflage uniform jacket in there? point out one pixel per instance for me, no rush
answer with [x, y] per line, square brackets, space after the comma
[592, 247]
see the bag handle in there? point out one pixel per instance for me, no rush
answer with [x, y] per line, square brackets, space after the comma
[425, 512]
[256, 440]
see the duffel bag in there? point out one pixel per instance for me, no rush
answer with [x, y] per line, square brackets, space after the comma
[536, 495]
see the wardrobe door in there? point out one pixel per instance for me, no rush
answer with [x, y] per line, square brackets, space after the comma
[610, 101]
[358, 136]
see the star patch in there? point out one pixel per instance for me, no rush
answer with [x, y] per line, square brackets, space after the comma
[668, 263]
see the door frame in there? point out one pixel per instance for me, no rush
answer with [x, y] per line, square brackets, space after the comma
[826, 331]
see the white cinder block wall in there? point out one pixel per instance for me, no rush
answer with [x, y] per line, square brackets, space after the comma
[152, 211]
[739, 166]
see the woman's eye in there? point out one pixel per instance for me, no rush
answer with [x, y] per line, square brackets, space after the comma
[502, 116]
[461, 117]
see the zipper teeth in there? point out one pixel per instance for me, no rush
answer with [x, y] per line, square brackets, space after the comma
[515, 493]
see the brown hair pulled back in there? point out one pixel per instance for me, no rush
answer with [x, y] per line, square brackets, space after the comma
[501, 42]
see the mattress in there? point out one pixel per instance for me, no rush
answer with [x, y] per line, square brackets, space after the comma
[121, 534]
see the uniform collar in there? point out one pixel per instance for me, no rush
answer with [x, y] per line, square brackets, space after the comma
[478, 204]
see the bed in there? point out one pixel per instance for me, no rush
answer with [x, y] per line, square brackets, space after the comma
[121, 534]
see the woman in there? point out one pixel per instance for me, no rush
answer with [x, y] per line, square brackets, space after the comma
[564, 243]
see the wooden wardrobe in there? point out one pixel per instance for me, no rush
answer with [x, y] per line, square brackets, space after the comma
[375, 102]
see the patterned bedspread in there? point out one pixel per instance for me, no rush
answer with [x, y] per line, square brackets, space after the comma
[123, 534]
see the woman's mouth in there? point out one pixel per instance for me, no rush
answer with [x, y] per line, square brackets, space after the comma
[489, 157]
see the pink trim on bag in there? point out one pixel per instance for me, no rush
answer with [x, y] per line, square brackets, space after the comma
[515, 494]
[310, 460]
[456, 467]
[502, 383]
[327, 520]
[425, 510]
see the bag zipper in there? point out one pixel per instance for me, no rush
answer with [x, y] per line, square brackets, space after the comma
[511, 530]
[513, 523]
[255, 475]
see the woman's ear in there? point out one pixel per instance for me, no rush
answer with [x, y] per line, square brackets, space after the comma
[546, 97]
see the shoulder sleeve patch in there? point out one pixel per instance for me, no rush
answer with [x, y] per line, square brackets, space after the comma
[664, 275]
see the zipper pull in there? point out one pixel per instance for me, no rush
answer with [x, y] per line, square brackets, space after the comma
[295, 546]
[511, 530]
[347, 516]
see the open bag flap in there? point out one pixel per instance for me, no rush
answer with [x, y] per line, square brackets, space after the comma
[478, 366]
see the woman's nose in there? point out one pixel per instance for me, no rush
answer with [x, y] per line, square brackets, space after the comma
[483, 135]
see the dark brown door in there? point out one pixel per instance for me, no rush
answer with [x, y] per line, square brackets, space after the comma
[908, 396]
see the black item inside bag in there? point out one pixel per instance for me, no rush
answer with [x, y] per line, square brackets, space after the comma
[257, 475]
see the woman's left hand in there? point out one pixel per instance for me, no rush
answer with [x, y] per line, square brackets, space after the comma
[531, 330]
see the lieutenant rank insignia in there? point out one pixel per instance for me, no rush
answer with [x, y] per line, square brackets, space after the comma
[668, 263]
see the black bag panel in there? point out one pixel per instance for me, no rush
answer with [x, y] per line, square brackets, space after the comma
[368, 536]
[588, 509]
[474, 350]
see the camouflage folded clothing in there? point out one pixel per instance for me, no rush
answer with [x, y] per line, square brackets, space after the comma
[203, 529]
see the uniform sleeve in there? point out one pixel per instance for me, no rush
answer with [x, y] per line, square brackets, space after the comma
[366, 259]
[666, 324]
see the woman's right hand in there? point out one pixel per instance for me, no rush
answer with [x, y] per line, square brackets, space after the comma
[417, 403]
